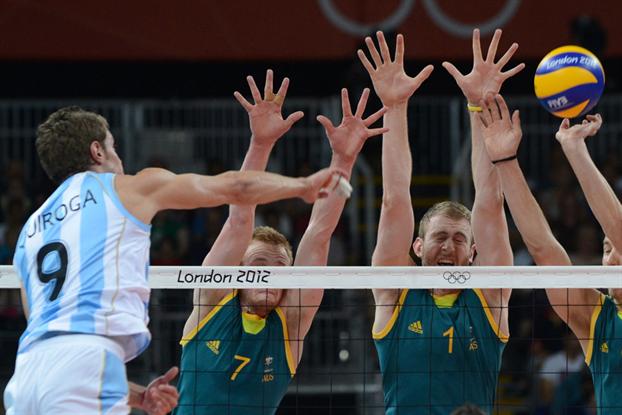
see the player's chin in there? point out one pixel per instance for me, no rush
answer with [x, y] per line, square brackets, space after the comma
[616, 293]
[270, 298]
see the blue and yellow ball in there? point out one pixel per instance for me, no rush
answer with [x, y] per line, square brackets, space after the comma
[569, 81]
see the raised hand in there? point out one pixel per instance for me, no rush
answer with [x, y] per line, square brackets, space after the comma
[160, 397]
[567, 135]
[347, 138]
[266, 121]
[390, 81]
[502, 133]
[486, 75]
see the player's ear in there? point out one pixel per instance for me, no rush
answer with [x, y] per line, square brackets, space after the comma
[418, 247]
[96, 151]
[473, 254]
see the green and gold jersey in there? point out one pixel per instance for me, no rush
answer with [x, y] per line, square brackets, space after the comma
[439, 353]
[235, 363]
[604, 356]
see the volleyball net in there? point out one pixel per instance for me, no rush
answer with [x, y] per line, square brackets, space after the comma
[344, 369]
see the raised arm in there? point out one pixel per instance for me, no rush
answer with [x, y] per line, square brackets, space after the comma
[600, 196]
[346, 141]
[502, 135]
[267, 126]
[394, 87]
[489, 224]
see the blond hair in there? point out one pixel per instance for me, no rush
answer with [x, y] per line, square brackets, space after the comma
[452, 210]
[271, 236]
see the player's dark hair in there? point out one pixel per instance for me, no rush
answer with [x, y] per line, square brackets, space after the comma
[64, 141]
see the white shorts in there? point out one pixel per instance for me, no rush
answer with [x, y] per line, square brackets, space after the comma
[69, 374]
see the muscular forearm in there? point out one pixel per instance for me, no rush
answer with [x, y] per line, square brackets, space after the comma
[489, 224]
[529, 218]
[315, 243]
[485, 177]
[599, 194]
[255, 188]
[396, 157]
[241, 216]
[397, 221]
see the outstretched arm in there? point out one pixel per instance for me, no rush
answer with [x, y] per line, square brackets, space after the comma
[502, 135]
[153, 190]
[489, 224]
[394, 87]
[600, 196]
[267, 126]
[346, 140]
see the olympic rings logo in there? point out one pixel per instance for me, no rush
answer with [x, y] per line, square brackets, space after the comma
[457, 277]
[439, 17]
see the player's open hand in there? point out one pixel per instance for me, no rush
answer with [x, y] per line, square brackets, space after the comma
[266, 120]
[569, 136]
[486, 75]
[390, 81]
[502, 132]
[347, 139]
[160, 397]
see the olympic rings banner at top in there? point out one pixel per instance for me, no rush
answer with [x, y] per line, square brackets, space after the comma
[284, 29]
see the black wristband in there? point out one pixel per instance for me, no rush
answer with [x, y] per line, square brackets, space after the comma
[505, 159]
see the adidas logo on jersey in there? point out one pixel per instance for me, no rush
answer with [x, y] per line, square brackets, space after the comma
[604, 347]
[214, 346]
[416, 327]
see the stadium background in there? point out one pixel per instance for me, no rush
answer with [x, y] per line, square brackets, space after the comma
[163, 74]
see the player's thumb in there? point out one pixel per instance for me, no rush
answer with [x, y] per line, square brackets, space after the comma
[516, 121]
[170, 374]
[295, 117]
[326, 123]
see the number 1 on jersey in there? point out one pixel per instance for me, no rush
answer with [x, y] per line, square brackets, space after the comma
[450, 333]
[245, 361]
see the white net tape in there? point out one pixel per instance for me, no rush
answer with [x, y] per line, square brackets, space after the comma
[176, 277]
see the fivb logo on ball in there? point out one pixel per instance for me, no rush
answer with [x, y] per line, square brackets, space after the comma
[569, 81]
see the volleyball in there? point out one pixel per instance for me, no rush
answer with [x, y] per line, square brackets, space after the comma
[569, 81]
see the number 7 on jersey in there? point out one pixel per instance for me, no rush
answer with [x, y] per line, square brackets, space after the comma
[245, 361]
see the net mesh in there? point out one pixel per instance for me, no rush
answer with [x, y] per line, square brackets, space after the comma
[430, 366]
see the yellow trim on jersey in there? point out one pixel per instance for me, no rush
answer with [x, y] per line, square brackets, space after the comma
[396, 311]
[186, 339]
[288, 349]
[590, 340]
[493, 324]
[252, 323]
[445, 301]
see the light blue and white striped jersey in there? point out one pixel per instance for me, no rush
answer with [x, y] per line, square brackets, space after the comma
[83, 261]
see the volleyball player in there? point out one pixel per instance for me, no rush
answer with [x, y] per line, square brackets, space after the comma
[83, 258]
[241, 348]
[441, 348]
[593, 317]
